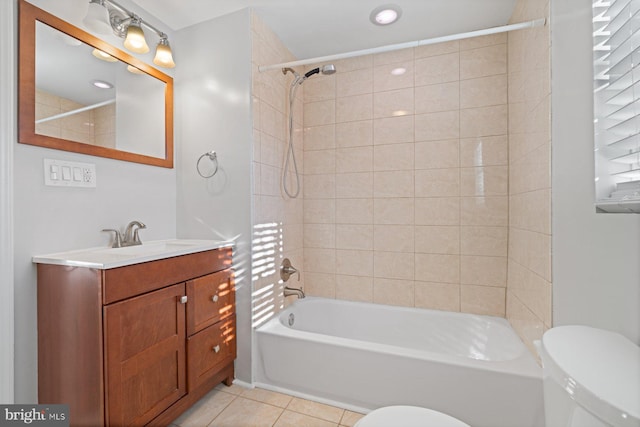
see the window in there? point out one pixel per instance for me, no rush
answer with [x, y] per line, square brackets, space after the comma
[616, 63]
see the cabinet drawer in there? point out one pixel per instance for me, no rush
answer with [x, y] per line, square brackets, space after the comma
[211, 298]
[210, 350]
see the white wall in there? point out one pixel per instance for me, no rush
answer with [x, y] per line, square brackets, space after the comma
[596, 257]
[213, 82]
[7, 138]
[51, 219]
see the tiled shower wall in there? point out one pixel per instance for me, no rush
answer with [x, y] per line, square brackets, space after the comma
[406, 178]
[277, 219]
[529, 266]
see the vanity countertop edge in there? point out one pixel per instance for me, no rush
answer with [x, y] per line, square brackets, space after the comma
[104, 258]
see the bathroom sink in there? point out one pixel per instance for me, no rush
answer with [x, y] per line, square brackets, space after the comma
[106, 258]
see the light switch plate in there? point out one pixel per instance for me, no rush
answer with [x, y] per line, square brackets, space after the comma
[61, 173]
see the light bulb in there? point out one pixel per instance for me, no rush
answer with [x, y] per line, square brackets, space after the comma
[163, 57]
[135, 40]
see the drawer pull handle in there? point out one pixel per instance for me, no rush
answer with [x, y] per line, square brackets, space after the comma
[183, 299]
[216, 349]
[214, 298]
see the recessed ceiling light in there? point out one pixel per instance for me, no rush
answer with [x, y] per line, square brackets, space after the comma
[102, 84]
[386, 14]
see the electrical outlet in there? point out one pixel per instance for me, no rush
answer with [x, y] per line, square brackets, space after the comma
[61, 173]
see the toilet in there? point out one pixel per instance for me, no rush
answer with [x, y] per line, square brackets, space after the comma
[408, 416]
[591, 377]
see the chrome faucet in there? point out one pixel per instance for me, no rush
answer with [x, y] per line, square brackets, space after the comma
[130, 238]
[286, 270]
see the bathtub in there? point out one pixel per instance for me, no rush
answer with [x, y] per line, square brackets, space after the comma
[363, 356]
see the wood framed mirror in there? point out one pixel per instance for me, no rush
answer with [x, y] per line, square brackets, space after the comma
[78, 93]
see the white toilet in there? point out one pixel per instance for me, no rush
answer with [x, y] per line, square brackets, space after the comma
[408, 416]
[591, 378]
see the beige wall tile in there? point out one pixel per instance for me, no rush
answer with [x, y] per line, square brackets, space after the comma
[531, 211]
[478, 240]
[393, 184]
[354, 211]
[437, 182]
[439, 126]
[483, 300]
[484, 181]
[354, 134]
[491, 210]
[437, 154]
[352, 108]
[483, 270]
[393, 157]
[355, 237]
[529, 327]
[320, 88]
[357, 159]
[353, 262]
[484, 151]
[489, 40]
[393, 265]
[393, 76]
[437, 239]
[319, 113]
[398, 211]
[354, 288]
[437, 69]
[320, 284]
[320, 162]
[438, 97]
[319, 137]
[393, 130]
[484, 121]
[484, 91]
[484, 61]
[437, 211]
[356, 82]
[319, 236]
[393, 103]
[319, 211]
[393, 292]
[355, 63]
[317, 186]
[318, 260]
[437, 296]
[437, 268]
[393, 238]
[354, 185]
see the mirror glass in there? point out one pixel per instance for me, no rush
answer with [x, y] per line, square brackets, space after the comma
[87, 96]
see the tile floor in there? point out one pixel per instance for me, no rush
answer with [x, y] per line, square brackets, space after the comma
[237, 406]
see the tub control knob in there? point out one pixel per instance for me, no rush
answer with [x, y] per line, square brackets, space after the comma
[286, 270]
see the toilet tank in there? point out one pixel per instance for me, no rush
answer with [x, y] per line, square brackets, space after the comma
[591, 378]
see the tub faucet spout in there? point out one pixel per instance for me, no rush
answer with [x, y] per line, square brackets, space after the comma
[293, 291]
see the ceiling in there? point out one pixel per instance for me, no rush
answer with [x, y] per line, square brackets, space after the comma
[311, 28]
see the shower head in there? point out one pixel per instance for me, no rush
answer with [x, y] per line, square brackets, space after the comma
[326, 70]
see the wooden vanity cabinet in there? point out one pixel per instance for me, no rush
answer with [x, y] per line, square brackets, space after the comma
[139, 344]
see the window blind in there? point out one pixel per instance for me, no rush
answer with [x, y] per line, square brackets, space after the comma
[616, 63]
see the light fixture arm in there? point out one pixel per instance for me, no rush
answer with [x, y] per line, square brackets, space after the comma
[120, 18]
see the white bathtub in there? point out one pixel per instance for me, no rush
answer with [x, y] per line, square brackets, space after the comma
[364, 356]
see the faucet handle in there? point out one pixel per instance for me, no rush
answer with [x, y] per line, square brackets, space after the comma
[117, 243]
[286, 270]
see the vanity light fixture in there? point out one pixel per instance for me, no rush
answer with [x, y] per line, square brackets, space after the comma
[385, 14]
[105, 15]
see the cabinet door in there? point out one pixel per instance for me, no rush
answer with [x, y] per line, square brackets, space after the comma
[211, 298]
[145, 355]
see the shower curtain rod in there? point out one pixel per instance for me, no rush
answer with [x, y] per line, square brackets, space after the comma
[388, 48]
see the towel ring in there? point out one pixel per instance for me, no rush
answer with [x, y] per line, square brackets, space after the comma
[213, 157]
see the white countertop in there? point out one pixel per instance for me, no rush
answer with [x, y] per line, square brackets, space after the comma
[105, 258]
